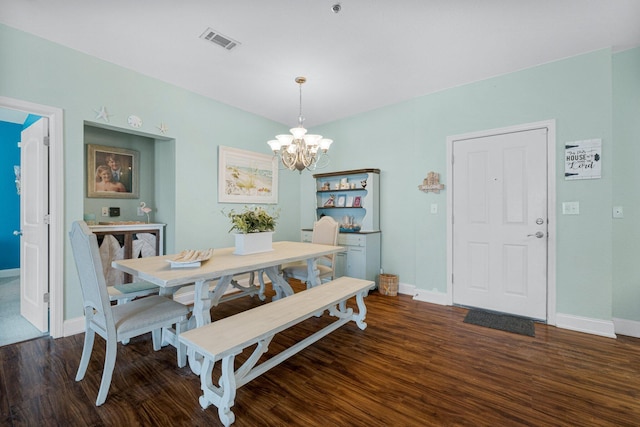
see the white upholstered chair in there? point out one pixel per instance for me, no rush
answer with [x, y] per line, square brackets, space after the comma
[325, 232]
[117, 322]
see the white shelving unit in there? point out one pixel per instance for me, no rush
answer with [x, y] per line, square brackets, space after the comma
[356, 207]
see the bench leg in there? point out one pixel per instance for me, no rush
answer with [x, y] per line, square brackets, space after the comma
[224, 396]
[362, 310]
[280, 286]
[341, 311]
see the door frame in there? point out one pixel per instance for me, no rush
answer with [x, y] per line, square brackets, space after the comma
[550, 125]
[56, 207]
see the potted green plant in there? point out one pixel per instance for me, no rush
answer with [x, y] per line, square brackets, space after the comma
[254, 229]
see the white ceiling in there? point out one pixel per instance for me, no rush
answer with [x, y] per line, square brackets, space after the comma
[373, 53]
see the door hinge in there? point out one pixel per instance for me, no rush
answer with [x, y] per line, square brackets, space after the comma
[45, 140]
[45, 298]
[47, 219]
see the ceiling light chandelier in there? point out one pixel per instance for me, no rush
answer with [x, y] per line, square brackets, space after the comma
[300, 151]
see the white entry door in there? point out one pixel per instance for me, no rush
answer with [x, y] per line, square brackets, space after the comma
[500, 223]
[34, 223]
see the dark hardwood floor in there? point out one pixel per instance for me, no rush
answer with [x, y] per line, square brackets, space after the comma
[416, 364]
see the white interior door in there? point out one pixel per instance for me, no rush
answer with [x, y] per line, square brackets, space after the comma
[34, 223]
[500, 223]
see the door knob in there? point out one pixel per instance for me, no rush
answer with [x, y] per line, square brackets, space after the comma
[539, 235]
[17, 232]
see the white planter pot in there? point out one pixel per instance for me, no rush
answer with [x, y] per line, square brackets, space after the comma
[252, 243]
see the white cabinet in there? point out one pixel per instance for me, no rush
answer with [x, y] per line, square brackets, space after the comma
[361, 258]
[352, 198]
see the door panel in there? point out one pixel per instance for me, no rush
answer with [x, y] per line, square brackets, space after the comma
[34, 210]
[499, 203]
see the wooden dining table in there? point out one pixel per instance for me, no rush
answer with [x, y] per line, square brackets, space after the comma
[222, 266]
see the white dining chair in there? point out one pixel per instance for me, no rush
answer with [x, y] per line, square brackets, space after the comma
[325, 232]
[121, 322]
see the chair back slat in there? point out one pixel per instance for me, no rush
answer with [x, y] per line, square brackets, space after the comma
[84, 245]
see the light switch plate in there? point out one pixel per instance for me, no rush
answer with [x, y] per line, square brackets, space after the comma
[570, 208]
[434, 208]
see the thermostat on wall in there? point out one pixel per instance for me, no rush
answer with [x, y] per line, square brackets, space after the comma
[114, 211]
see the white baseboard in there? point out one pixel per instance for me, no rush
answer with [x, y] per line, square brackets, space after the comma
[10, 272]
[73, 326]
[626, 327]
[429, 296]
[587, 325]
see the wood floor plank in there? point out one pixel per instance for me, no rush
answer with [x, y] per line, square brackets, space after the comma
[416, 364]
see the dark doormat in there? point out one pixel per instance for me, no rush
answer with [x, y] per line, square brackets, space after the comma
[503, 322]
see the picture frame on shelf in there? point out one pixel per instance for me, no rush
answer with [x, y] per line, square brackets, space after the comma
[357, 202]
[349, 202]
[341, 200]
[112, 172]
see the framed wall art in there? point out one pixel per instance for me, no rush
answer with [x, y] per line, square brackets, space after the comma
[246, 177]
[112, 172]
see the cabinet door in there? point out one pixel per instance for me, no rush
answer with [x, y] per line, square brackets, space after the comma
[356, 262]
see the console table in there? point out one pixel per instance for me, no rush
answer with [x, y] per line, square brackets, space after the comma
[128, 230]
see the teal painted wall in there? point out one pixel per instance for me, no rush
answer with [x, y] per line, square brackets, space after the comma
[79, 84]
[405, 141]
[9, 156]
[626, 184]
[408, 140]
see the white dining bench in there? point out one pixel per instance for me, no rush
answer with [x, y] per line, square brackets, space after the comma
[222, 340]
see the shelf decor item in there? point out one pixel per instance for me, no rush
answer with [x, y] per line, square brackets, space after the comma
[254, 230]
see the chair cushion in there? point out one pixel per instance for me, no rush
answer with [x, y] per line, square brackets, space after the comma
[143, 313]
[127, 288]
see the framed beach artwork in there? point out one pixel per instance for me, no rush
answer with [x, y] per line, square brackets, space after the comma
[112, 172]
[246, 177]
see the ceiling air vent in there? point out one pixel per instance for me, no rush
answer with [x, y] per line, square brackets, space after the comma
[221, 40]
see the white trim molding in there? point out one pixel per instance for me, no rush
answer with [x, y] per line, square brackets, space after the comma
[630, 328]
[56, 206]
[587, 325]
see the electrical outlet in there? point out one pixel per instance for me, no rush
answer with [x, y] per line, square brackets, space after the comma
[140, 213]
[105, 211]
[618, 212]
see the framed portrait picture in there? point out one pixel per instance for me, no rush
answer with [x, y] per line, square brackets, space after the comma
[341, 201]
[246, 177]
[112, 172]
[357, 202]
